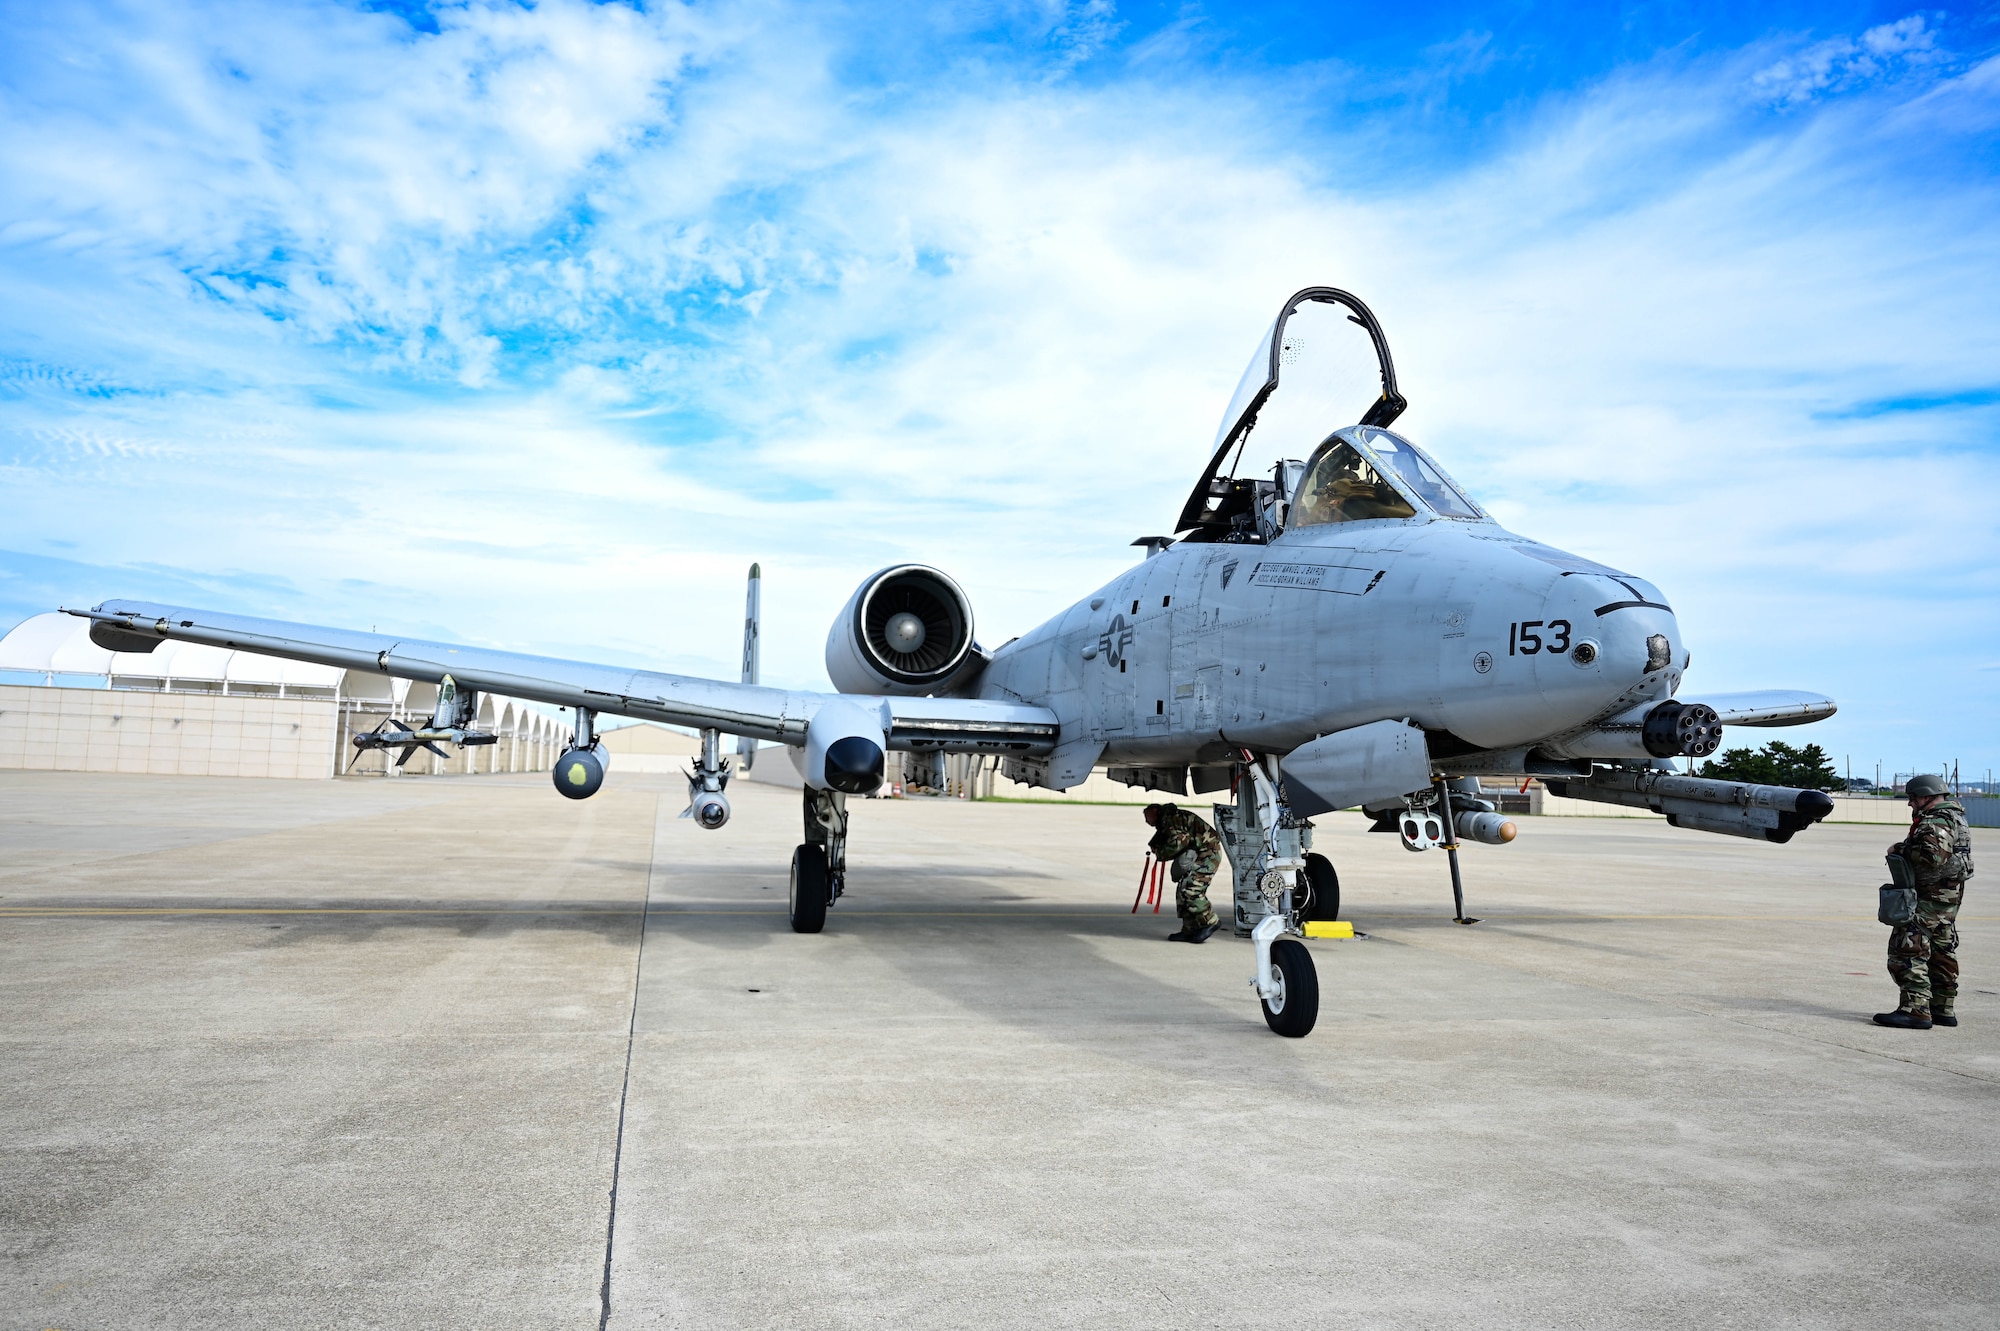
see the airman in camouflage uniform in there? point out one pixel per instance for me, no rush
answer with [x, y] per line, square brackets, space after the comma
[1194, 850]
[1923, 954]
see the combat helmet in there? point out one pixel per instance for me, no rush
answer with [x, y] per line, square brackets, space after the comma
[1927, 784]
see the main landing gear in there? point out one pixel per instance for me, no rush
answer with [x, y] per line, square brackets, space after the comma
[819, 866]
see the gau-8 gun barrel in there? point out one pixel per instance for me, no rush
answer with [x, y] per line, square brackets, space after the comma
[1732, 808]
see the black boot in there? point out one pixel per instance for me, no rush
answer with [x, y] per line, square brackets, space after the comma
[1905, 1019]
[1944, 1017]
[1201, 935]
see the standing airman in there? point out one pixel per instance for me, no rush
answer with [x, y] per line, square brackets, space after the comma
[1923, 954]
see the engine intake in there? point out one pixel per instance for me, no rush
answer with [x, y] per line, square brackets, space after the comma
[906, 630]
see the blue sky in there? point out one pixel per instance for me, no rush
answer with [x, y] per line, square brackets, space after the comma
[534, 325]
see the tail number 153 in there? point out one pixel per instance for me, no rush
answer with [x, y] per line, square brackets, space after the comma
[1525, 638]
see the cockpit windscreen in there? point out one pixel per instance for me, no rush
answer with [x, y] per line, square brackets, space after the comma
[1341, 485]
[1344, 483]
[1419, 474]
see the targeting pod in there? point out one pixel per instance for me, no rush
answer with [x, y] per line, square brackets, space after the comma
[1733, 808]
[580, 772]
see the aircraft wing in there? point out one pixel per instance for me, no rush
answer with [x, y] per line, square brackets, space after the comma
[1768, 707]
[974, 725]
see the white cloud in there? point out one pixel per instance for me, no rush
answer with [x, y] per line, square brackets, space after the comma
[584, 308]
[1843, 62]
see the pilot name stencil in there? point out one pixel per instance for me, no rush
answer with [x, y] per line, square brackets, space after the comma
[1346, 580]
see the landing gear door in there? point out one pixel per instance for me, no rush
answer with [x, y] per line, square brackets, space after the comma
[1322, 365]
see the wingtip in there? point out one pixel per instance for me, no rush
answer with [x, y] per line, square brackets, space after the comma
[756, 572]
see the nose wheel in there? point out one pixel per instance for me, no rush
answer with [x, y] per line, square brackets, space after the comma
[1291, 1004]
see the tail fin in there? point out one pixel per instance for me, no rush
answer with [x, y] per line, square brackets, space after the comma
[753, 615]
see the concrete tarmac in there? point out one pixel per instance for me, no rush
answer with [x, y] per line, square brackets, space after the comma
[353, 1054]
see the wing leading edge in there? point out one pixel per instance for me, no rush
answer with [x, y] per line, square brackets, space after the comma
[974, 725]
[1768, 707]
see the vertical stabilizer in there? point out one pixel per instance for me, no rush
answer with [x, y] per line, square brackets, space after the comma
[753, 615]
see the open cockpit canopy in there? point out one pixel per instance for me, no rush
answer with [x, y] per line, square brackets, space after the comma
[1322, 364]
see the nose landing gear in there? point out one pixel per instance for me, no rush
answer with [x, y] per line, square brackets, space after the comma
[1279, 887]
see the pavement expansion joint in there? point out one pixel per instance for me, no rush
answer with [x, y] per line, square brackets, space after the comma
[625, 1083]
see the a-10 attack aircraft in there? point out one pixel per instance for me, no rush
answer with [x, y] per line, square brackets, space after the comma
[1347, 629]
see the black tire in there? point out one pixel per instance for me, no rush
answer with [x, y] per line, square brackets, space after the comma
[1298, 998]
[1325, 885]
[809, 889]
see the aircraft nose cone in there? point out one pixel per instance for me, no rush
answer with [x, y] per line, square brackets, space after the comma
[905, 632]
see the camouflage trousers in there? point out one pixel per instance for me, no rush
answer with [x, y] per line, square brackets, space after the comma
[1193, 870]
[1923, 954]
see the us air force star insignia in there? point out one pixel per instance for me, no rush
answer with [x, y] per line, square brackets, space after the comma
[1114, 640]
[1483, 662]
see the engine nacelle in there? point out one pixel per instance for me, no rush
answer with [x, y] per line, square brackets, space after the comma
[580, 773]
[710, 808]
[906, 630]
[844, 743]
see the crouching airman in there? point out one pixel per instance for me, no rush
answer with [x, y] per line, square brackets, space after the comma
[1192, 848]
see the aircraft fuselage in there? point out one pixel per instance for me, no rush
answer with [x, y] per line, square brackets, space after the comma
[1458, 626]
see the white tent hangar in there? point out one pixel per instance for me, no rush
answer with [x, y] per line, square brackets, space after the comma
[67, 704]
